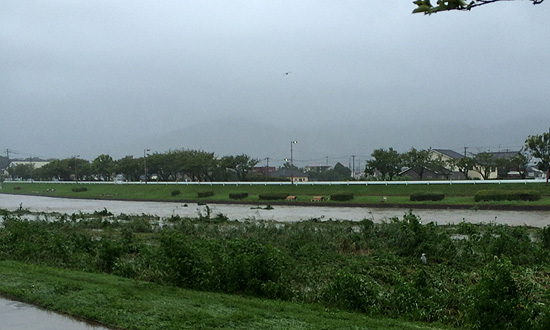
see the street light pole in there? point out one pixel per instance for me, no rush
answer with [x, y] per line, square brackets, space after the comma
[291, 163]
[75, 169]
[145, 163]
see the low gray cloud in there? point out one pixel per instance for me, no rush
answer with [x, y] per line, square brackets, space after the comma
[119, 76]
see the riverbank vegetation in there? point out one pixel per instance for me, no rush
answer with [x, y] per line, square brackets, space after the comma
[478, 276]
[449, 195]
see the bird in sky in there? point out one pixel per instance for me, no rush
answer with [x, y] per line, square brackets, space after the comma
[287, 73]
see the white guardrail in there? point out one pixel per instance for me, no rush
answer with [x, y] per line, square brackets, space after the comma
[309, 183]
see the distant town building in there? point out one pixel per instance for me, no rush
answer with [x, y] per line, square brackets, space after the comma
[34, 163]
[318, 168]
[266, 170]
[285, 173]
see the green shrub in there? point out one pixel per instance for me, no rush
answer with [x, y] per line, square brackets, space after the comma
[273, 196]
[427, 196]
[176, 192]
[496, 299]
[352, 291]
[341, 197]
[499, 195]
[238, 195]
[202, 194]
[545, 237]
[79, 189]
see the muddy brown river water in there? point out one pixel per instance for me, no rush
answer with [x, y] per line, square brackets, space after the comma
[279, 213]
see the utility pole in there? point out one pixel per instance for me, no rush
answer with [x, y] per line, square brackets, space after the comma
[291, 163]
[145, 163]
[76, 169]
[8, 163]
[353, 166]
[267, 167]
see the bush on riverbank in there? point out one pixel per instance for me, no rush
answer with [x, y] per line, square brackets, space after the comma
[273, 196]
[362, 266]
[427, 196]
[238, 195]
[341, 197]
[499, 195]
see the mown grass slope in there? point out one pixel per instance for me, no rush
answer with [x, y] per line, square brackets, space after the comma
[455, 194]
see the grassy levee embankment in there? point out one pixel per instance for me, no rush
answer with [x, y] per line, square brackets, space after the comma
[456, 195]
[121, 303]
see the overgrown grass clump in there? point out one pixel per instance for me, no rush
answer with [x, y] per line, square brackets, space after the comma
[367, 267]
[500, 195]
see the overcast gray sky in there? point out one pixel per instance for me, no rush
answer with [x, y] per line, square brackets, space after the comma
[115, 77]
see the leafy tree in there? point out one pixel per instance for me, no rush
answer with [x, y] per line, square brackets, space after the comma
[465, 165]
[103, 166]
[225, 168]
[130, 167]
[424, 6]
[240, 165]
[442, 166]
[23, 171]
[520, 161]
[166, 166]
[342, 171]
[386, 162]
[197, 164]
[486, 162]
[243, 164]
[56, 169]
[539, 146]
[418, 160]
[80, 167]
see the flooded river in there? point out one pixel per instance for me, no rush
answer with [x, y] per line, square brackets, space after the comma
[19, 316]
[279, 213]
[16, 315]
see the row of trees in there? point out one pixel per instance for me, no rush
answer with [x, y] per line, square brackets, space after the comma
[194, 165]
[387, 164]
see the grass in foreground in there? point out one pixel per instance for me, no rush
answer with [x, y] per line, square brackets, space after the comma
[128, 304]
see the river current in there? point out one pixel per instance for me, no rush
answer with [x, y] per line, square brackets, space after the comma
[278, 213]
